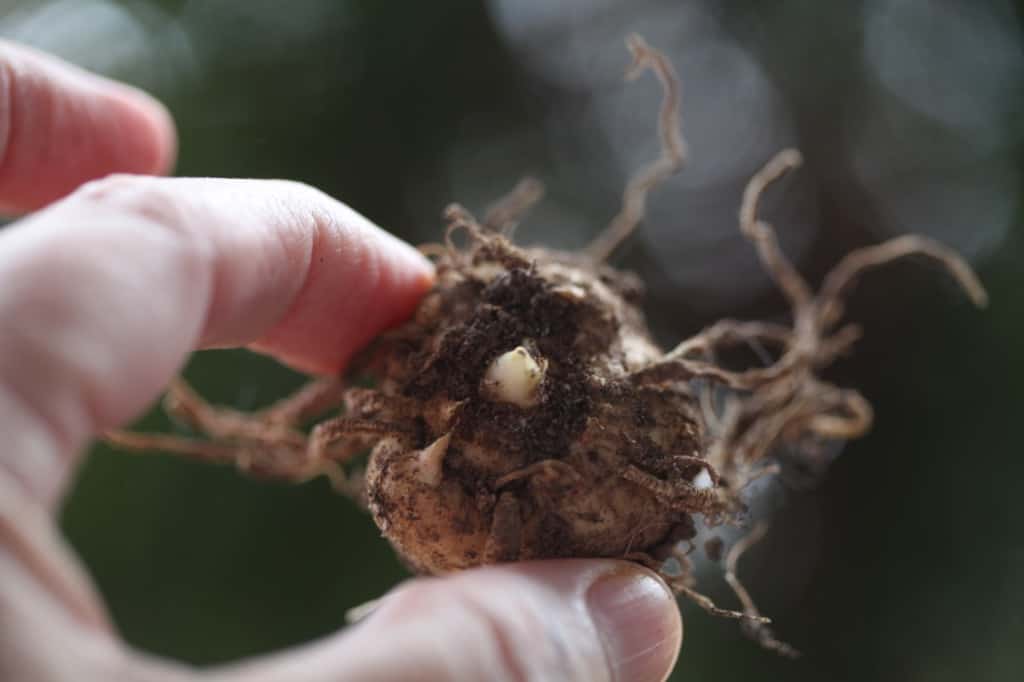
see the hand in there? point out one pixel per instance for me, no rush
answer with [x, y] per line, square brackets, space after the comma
[105, 292]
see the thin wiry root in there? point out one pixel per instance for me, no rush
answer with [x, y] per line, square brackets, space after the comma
[678, 364]
[758, 473]
[679, 583]
[220, 423]
[705, 603]
[485, 244]
[708, 408]
[854, 423]
[783, 401]
[253, 458]
[673, 150]
[856, 263]
[458, 218]
[504, 214]
[763, 236]
[684, 369]
[726, 333]
[838, 344]
[721, 454]
[310, 401]
[499, 222]
[354, 436]
[207, 451]
[433, 250]
[753, 628]
[268, 442]
[681, 496]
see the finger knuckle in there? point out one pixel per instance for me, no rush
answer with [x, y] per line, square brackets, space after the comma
[157, 206]
[136, 195]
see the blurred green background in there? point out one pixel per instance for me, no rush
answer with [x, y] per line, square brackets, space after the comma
[905, 563]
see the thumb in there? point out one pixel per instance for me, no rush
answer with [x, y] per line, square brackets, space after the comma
[588, 620]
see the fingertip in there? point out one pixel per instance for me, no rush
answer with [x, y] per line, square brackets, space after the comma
[360, 282]
[560, 619]
[271, 263]
[639, 623]
[538, 620]
[414, 276]
[149, 120]
[61, 126]
[414, 270]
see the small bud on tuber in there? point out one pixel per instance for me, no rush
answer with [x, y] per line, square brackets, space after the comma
[515, 377]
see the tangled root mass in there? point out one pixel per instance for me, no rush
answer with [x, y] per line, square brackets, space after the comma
[525, 412]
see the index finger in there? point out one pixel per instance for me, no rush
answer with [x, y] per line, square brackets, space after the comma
[61, 126]
[107, 291]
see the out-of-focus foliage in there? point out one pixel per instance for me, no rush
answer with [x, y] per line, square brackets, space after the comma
[904, 564]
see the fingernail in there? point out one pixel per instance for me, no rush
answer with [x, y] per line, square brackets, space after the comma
[639, 624]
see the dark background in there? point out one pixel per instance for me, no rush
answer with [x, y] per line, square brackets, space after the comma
[905, 563]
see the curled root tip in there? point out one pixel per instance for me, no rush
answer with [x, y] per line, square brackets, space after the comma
[453, 211]
[504, 214]
[969, 282]
[673, 150]
[790, 158]
[856, 263]
[972, 285]
[532, 185]
[780, 164]
[957, 268]
[641, 53]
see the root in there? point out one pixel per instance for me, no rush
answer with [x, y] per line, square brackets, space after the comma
[758, 473]
[504, 215]
[725, 333]
[207, 451]
[458, 218]
[763, 236]
[354, 436]
[680, 496]
[845, 274]
[673, 150]
[753, 626]
[704, 602]
[680, 584]
[784, 401]
[220, 423]
[267, 443]
[483, 244]
[310, 401]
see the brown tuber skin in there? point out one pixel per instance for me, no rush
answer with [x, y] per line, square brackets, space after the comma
[599, 465]
[524, 411]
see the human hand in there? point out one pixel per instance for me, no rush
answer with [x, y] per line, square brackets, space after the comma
[105, 292]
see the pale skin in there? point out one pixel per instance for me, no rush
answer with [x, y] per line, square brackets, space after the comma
[108, 283]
